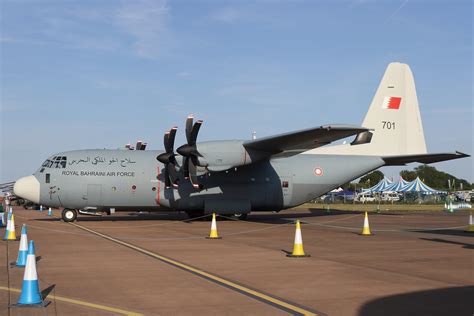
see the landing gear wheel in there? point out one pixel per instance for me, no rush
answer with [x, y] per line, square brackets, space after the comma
[239, 216]
[195, 214]
[69, 215]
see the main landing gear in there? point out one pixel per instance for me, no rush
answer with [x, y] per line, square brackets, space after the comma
[69, 215]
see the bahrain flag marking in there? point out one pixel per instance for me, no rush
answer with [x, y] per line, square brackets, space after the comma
[392, 103]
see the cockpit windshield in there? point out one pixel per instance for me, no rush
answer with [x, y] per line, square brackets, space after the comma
[55, 162]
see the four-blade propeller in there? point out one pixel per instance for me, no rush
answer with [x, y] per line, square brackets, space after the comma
[168, 158]
[188, 151]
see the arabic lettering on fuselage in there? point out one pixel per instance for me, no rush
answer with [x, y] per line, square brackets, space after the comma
[101, 160]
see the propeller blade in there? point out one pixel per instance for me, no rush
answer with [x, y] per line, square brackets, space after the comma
[189, 127]
[173, 176]
[166, 175]
[193, 174]
[172, 135]
[166, 138]
[194, 132]
[185, 167]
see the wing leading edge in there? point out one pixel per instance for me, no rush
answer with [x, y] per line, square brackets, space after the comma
[423, 158]
[303, 140]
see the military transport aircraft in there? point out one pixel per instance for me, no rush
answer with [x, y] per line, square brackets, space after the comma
[237, 176]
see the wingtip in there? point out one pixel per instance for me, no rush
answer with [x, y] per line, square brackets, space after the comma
[462, 154]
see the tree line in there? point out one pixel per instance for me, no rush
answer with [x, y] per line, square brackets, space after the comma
[429, 175]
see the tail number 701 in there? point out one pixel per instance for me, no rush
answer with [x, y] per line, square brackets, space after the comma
[388, 125]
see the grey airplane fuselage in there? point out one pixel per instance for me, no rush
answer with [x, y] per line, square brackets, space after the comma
[120, 180]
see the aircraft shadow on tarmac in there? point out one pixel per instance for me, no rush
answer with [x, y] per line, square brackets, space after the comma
[446, 301]
[260, 217]
[446, 232]
[465, 245]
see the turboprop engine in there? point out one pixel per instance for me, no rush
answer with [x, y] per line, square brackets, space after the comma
[222, 154]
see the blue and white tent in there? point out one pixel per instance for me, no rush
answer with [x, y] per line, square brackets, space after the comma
[418, 186]
[397, 186]
[379, 187]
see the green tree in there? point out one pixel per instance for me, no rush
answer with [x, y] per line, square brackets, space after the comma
[434, 178]
[371, 179]
[408, 175]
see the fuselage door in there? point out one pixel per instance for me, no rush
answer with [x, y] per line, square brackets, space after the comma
[287, 189]
[94, 195]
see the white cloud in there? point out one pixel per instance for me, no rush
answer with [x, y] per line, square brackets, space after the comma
[145, 21]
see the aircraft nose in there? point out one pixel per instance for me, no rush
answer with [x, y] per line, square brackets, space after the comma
[28, 188]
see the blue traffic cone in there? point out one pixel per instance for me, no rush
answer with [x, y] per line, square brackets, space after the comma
[50, 212]
[23, 251]
[30, 293]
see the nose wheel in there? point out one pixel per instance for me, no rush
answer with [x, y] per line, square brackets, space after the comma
[69, 215]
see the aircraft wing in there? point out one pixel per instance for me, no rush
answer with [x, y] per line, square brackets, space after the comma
[7, 187]
[423, 158]
[299, 141]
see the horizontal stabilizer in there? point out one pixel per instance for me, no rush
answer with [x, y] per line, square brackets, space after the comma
[424, 158]
[303, 140]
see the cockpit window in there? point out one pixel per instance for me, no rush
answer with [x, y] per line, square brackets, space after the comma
[55, 162]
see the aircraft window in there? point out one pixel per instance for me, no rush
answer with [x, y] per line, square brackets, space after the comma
[48, 178]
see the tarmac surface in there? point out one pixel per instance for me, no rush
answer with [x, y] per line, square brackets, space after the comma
[416, 263]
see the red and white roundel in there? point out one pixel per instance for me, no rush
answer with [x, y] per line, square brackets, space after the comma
[318, 171]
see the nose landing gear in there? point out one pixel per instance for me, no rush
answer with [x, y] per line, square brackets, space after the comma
[69, 215]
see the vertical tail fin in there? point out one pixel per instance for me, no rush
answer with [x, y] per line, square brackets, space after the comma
[394, 117]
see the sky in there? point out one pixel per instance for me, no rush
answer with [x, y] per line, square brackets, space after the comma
[102, 73]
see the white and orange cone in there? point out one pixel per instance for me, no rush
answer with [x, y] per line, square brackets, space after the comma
[298, 250]
[213, 234]
[470, 227]
[366, 228]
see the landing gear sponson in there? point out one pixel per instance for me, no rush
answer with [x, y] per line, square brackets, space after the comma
[198, 214]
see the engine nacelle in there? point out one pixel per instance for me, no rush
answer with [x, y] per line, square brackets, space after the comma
[226, 154]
